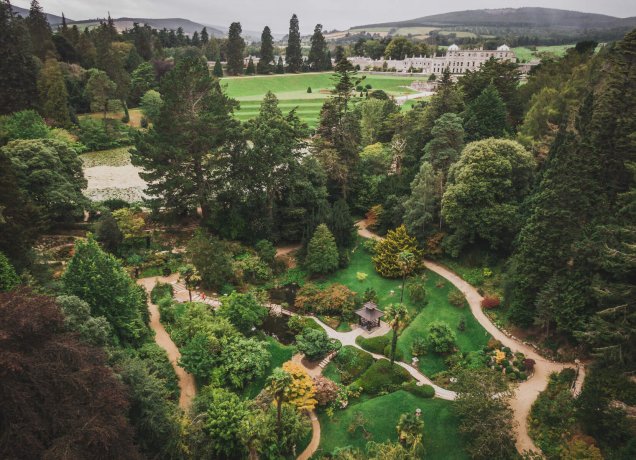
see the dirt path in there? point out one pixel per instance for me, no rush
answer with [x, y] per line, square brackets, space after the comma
[162, 338]
[312, 447]
[527, 391]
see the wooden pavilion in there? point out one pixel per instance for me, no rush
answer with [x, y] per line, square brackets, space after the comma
[369, 315]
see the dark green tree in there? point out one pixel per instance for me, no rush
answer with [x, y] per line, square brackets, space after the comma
[17, 67]
[183, 151]
[108, 233]
[235, 49]
[40, 31]
[318, 50]
[205, 38]
[218, 69]
[53, 94]
[266, 62]
[210, 257]
[50, 174]
[280, 66]
[98, 278]
[293, 52]
[422, 208]
[342, 225]
[322, 252]
[243, 311]
[486, 116]
[143, 79]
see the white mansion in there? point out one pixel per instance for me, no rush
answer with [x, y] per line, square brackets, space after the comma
[457, 60]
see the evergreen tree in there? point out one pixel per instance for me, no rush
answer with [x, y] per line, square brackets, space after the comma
[196, 41]
[181, 154]
[318, 50]
[340, 54]
[53, 94]
[387, 259]
[250, 69]
[235, 49]
[421, 209]
[18, 72]
[266, 62]
[486, 116]
[580, 224]
[40, 31]
[205, 38]
[293, 53]
[218, 69]
[280, 66]
[8, 278]
[322, 252]
[342, 225]
[99, 279]
[327, 65]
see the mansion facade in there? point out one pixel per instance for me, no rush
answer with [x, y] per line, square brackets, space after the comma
[458, 61]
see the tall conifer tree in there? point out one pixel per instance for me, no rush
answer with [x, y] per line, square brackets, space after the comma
[293, 53]
[266, 63]
[235, 49]
[318, 50]
[40, 30]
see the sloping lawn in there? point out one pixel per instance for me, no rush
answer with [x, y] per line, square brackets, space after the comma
[280, 354]
[473, 338]
[441, 438]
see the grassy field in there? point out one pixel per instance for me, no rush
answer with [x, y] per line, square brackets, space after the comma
[280, 354]
[114, 157]
[291, 90]
[441, 438]
[438, 308]
[134, 114]
[526, 54]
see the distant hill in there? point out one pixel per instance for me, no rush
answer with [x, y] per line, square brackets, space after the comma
[189, 27]
[53, 19]
[535, 18]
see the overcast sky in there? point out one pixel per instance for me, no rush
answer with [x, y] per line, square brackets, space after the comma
[333, 14]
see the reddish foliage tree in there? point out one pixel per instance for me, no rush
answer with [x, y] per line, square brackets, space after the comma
[326, 390]
[58, 397]
[489, 302]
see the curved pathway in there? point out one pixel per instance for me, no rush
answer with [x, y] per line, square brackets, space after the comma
[315, 438]
[162, 338]
[526, 392]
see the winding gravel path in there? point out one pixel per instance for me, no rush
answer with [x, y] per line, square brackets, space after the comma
[526, 392]
[162, 338]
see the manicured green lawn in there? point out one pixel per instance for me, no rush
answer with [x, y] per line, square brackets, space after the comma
[280, 354]
[441, 438]
[526, 54]
[114, 157]
[473, 338]
[291, 90]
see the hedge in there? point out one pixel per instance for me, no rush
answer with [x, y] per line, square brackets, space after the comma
[381, 377]
[422, 391]
[374, 344]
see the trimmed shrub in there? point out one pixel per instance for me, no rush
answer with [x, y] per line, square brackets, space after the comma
[374, 344]
[490, 302]
[161, 291]
[351, 362]
[381, 376]
[422, 391]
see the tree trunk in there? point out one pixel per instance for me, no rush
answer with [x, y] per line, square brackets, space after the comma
[393, 345]
[201, 196]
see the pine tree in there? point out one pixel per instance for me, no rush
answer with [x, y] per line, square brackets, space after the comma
[205, 38]
[421, 209]
[322, 252]
[53, 93]
[218, 69]
[280, 66]
[18, 72]
[235, 49]
[293, 53]
[40, 31]
[8, 277]
[176, 152]
[387, 258]
[266, 62]
[318, 50]
[196, 41]
[486, 116]
[327, 65]
[250, 69]
[342, 225]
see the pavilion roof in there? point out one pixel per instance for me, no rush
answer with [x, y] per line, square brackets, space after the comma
[370, 312]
